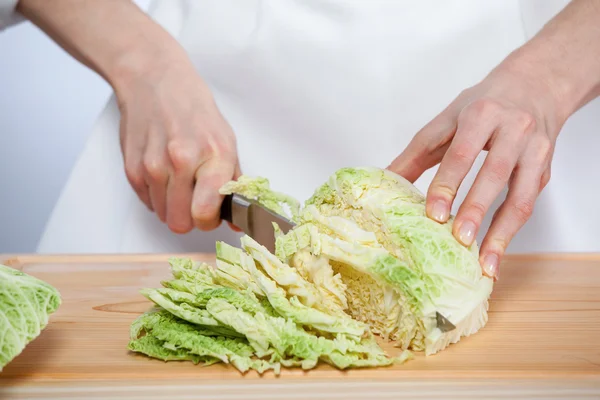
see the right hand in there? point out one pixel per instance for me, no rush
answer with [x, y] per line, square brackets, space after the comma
[177, 147]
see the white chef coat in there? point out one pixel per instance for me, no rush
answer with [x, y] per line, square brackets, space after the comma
[310, 86]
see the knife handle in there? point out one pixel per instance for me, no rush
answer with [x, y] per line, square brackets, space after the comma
[226, 208]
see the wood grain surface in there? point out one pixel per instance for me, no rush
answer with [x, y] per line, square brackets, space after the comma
[542, 340]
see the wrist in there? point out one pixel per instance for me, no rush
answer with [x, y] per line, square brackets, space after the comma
[554, 93]
[564, 58]
[154, 65]
[145, 59]
[156, 68]
[115, 39]
[537, 86]
[573, 80]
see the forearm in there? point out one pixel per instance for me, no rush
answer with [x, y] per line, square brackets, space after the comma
[566, 55]
[112, 37]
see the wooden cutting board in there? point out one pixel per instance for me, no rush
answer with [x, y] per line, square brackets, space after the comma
[542, 339]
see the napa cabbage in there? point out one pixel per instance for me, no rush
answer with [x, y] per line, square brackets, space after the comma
[365, 234]
[26, 304]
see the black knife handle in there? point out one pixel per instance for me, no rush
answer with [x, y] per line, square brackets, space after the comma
[226, 205]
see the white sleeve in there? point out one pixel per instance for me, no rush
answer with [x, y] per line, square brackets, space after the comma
[8, 14]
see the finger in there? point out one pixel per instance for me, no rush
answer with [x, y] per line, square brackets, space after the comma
[489, 182]
[156, 168]
[545, 178]
[236, 175]
[206, 203]
[233, 227]
[416, 159]
[238, 171]
[516, 209]
[136, 178]
[427, 147]
[476, 123]
[132, 149]
[180, 187]
[548, 171]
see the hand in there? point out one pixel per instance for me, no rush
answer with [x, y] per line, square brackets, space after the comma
[178, 148]
[511, 114]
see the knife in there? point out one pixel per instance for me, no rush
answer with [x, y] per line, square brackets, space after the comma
[257, 222]
[254, 219]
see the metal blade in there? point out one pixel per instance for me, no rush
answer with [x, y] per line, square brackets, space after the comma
[443, 324]
[257, 221]
[260, 224]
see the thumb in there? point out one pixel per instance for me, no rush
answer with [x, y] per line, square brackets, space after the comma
[238, 171]
[206, 202]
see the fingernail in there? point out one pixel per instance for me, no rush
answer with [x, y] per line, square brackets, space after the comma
[439, 211]
[490, 265]
[466, 233]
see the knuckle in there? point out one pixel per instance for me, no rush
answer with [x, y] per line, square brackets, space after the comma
[500, 243]
[462, 153]
[545, 179]
[481, 107]
[182, 155]
[543, 148]
[155, 169]
[180, 227]
[222, 147]
[544, 143]
[443, 190]
[212, 148]
[203, 213]
[523, 210]
[205, 223]
[135, 176]
[477, 209]
[499, 171]
[525, 121]
[465, 93]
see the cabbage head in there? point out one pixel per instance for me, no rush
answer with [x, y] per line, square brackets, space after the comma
[364, 238]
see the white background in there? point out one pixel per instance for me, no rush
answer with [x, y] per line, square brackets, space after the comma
[48, 104]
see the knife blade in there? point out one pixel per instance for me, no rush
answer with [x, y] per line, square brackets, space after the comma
[443, 323]
[254, 219]
[257, 222]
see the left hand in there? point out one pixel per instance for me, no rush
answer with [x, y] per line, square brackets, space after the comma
[511, 114]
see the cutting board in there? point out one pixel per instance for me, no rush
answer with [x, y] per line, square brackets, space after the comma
[542, 339]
